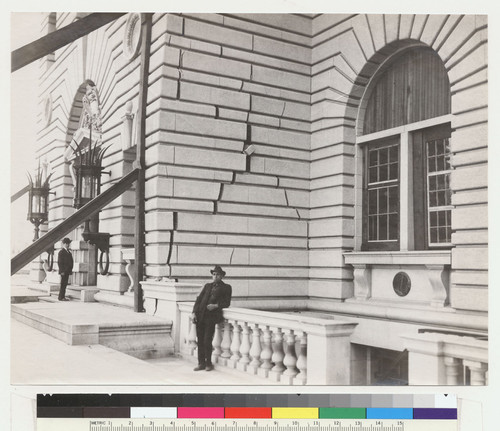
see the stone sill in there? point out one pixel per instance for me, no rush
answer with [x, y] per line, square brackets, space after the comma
[413, 257]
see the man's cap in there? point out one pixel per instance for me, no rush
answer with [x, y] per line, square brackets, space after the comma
[66, 241]
[218, 270]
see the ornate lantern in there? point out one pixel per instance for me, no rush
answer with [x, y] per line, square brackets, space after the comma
[88, 168]
[38, 205]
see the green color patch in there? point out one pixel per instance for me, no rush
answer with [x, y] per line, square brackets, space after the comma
[338, 413]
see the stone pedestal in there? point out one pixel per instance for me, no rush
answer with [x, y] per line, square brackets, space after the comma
[161, 299]
[329, 353]
[37, 273]
[426, 364]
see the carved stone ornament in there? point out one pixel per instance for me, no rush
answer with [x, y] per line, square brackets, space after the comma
[132, 36]
[47, 110]
[401, 284]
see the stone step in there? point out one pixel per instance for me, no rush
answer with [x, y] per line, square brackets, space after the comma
[126, 300]
[77, 323]
[19, 295]
[82, 293]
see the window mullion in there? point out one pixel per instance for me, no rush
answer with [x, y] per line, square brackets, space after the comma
[406, 237]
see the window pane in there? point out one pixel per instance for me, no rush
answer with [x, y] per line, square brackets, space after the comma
[440, 182]
[383, 234]
[383, 199]
[439, 192]
[372, 202]
[393, 226]
[433, 199]
[383, 156]
[372, 228]
[440, 229]
[442, 234]
[393, 200]
[442, 218]
[439, 147]
[432, 183]
[383, 204]
[393, 171]
[440, 163]
[394, 153]
[431, 148]
[383, 173]
[434, 235]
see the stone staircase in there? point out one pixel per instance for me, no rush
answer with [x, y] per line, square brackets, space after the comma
[80, 323]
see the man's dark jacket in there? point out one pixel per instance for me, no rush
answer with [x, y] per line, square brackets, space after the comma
[65, 261]
[213, 293]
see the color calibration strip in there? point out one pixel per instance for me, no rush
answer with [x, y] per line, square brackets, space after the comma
[248, 413]
[294, 413]
[239, 406]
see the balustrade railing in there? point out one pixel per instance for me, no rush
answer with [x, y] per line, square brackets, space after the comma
[275, 346]
[448, 359]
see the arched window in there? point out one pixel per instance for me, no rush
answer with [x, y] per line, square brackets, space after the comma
[406, 155]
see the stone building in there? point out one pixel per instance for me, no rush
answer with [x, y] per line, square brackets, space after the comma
[334, 165]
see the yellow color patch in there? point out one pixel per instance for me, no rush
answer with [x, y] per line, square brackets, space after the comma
[295, 413]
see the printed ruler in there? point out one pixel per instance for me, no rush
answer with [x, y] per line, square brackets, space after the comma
[104, 424]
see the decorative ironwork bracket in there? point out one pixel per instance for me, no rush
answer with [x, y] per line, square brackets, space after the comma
[50, 257]
[101, 241]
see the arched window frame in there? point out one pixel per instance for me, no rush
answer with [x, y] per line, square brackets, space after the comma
[414, 227]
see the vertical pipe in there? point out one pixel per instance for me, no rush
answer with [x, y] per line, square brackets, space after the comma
[140, 163]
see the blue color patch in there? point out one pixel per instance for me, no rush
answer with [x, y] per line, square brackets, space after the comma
[389, 413]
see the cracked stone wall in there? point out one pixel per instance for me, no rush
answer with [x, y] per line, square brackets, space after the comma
[228, 152]
[251, 142]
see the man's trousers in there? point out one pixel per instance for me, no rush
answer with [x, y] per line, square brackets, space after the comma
[205, 333]
[64, 283]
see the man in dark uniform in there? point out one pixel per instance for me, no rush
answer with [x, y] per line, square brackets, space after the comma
[207, 312]
[65, 263]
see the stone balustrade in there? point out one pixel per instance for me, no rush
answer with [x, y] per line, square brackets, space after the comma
[447, 359]
[275, 345]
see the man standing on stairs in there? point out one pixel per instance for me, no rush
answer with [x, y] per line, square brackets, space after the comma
[65, 263]
[207, 312]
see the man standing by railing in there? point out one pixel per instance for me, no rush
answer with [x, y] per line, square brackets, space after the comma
[65, 263]
[207, 312]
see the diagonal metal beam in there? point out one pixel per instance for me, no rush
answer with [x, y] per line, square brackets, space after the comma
[17, 195]
[72, 222]
[59, 38]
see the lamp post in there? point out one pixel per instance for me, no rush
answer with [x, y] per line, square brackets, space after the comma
[38, 204]
[88, 169]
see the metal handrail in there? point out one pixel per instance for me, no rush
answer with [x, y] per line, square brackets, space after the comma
[72, 222]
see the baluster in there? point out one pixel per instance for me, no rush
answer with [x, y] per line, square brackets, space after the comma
[454, 371]
[266, 354]
[277, 356]
[290, 358]
[477, 372]
[192, 337]
[302, 360]
[226, 344]
[235, 345]
[244, 348]
[255, 350]
[216, 343]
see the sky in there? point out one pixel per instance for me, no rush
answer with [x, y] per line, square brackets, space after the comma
[24, 107]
